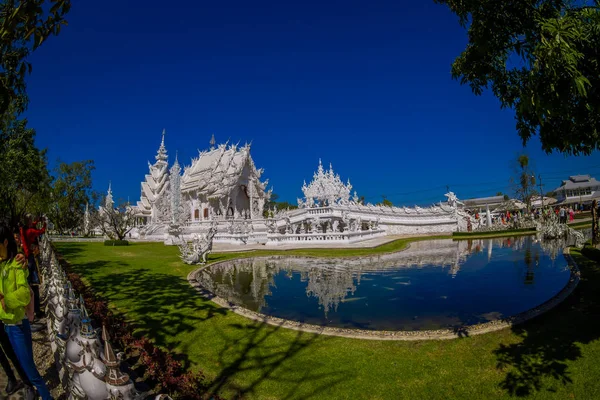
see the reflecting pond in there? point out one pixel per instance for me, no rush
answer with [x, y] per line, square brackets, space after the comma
[433, 284]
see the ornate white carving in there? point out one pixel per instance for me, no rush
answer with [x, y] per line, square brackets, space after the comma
[155, 185]
[552, 229]
[325, 189]
[87, 367]
[86, 221]
[453, 200]
[200, 247]
[175, 192]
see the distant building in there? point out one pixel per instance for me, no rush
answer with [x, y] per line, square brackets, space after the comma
[481, 202]
[578, 190]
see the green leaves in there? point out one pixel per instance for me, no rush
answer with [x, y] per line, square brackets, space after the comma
[24, 26]
[554, 84]
[23, 168]
[71, 191]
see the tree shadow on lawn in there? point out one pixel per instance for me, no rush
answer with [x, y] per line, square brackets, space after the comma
[552, 339]
[69, 250]
[257, 347]
[159, 306]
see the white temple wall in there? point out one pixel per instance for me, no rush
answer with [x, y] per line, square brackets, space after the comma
[199, 210]
[418, 229]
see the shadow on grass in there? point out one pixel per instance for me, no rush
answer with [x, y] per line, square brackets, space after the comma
[69, 250]
[551, 340]
[165, 307]
[253, 356]
[158, 305]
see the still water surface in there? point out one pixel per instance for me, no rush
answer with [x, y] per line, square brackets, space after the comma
[434, 284]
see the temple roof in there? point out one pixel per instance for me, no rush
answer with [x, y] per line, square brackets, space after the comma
[578, 181]
[216, 172]
[483, 201]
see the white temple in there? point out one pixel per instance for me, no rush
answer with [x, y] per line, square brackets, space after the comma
[223, 186]
[224, 182]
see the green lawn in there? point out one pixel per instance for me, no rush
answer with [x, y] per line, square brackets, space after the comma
[555, 356]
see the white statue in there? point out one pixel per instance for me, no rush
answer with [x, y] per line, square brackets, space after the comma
[453, 200]
[358, 226]
[201, 247]
[271, 225]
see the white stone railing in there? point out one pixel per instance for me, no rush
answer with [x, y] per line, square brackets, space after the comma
[372, 214]
[327, 237]
[320, 211]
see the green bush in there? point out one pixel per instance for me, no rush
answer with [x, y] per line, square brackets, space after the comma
[116, 243]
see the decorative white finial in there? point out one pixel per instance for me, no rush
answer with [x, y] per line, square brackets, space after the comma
[109, 198]
[212, 142]
[161, 155]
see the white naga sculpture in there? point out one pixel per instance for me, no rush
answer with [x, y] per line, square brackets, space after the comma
[87, 366]
[199, 249]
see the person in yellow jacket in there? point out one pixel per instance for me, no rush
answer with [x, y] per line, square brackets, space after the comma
[14, 297]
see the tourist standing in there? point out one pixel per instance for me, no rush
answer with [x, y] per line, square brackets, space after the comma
[29, 235]
[571, 215]
[14, 296]
[562, 216]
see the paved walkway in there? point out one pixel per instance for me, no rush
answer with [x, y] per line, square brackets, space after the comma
[3, 382]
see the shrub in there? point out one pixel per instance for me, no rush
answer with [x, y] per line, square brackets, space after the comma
[116, 243]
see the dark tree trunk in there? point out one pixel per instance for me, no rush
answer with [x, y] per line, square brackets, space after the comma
[595, 235]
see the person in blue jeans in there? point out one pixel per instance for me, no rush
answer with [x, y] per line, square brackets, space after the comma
[14, 297]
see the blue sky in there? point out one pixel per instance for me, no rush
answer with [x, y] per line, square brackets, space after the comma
[363, 85]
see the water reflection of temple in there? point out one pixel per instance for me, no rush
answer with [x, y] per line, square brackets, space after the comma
[248, 282]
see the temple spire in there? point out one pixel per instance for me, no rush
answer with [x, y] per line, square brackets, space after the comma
[212, 142]
[175, 177]
[108, 202]
[161, 155]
